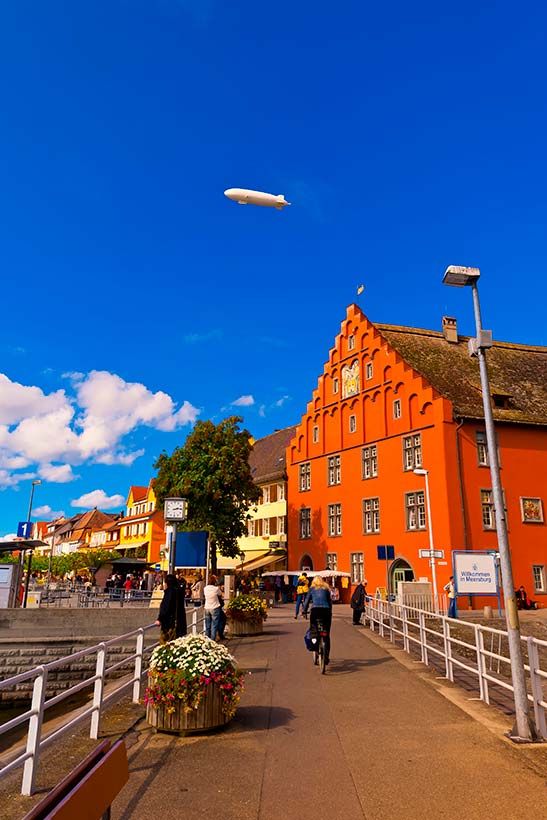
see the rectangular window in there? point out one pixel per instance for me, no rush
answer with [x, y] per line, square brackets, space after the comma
[332, 561]
[305, 477]
[335, 519]
[251, 528]
[281, 525]
[357, 564]
[305, 522]
[281, 492]
[369, 462]
[352, 424]
[397, 409]
[315, 434]
[351, 342]
[415, 510]
[482, 448]
[266, 526]
[488, 513]
[144, 528]
[539, 577]
[265, 495]
[371, 515]
[412, 452]
[334, 472]
[369, 370]
[335, 385]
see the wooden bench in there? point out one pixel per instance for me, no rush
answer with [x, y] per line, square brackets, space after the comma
[90, 789]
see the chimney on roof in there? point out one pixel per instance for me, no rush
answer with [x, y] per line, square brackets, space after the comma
[450, 329]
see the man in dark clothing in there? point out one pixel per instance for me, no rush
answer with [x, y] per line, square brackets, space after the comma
[172, 615]
[358, 602]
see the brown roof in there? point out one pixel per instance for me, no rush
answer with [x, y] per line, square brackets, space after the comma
[517, 372]
[93, 519]
[267, 459]
[138, 493]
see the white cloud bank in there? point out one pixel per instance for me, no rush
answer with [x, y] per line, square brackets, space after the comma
[45, 513]
[244, 401]
[49, 433]
[98, 498]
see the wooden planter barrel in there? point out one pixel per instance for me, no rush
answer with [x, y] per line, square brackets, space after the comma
[208, 715]
[245, 627]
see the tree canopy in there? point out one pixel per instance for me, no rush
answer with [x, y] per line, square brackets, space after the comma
[81, 559]
[211, 469]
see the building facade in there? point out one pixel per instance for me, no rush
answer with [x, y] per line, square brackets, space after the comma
[394, 399]
[142, 529]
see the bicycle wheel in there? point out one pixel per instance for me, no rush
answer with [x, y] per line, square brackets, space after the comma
[322, 657]
[315, 658]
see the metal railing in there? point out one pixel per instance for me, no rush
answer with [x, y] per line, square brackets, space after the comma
[37, 739]
[478, 651]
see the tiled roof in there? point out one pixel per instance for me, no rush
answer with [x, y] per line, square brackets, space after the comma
[267, 459]
[138, 493]
[93, 519]
[517, 372]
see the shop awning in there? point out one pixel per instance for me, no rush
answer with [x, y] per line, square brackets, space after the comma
[264, 561]
[132, 546]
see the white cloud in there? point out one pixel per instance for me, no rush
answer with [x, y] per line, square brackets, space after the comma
[262, 410]
[280, 402]
[87, 425]
[98, 498]
[45, 513]
[9, 537]
[56, 473]
[244, 401]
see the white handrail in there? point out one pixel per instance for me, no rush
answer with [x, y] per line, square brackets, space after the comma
[415, 627]
[37, 740]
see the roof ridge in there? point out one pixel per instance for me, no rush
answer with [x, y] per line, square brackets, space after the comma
[422, 331]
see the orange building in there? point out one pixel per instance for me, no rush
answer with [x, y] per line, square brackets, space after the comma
[392, 399]
[142, 530]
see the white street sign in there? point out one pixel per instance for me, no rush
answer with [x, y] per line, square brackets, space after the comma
[431, 553]
[475, 573]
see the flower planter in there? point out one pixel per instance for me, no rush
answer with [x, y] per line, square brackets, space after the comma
[179, 719]
[240, 627]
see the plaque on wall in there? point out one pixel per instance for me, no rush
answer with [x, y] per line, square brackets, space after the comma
[350, 380]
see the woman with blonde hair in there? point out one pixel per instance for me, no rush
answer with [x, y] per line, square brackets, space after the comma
[321, 609]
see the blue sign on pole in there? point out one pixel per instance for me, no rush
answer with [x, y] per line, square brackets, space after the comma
[24, 529]
[386, 552]
[191, 549]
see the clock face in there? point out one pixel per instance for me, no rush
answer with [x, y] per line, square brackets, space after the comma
[175, 509]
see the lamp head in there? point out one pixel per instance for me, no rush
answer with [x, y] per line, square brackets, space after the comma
[460, 276]
[420, 471]
[36, 481]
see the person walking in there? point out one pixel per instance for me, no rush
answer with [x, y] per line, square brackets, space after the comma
[212, 607]
[172, 615]
[450, 588]
[357, 602]
[302, 589]
[197, 591]
[321, 610]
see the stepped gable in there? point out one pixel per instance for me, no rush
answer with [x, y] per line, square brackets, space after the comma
[267, 459]
[138, 493]
[518, 373]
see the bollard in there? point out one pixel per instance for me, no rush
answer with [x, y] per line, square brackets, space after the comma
[488, 613]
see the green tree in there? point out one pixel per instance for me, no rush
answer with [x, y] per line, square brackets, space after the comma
[212, 471]
[81, 559]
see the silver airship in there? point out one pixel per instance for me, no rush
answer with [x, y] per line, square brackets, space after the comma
[245, 197]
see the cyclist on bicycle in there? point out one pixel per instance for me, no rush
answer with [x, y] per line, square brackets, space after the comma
[321, 609]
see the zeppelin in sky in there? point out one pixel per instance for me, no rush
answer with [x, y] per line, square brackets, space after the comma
[244, 197]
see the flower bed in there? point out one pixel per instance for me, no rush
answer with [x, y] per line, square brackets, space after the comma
[246, 615]
[193, 684]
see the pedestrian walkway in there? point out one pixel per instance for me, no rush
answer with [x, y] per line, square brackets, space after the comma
[370, 739]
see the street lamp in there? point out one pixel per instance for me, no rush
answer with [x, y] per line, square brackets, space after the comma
[425, 474]
[29, 565]
[523, 729]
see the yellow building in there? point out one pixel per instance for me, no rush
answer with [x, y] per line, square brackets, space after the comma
[265, 545]
[142, 529]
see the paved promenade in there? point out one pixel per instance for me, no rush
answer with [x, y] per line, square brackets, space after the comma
[370, 739]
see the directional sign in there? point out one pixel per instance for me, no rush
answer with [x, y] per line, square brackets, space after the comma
[24, 529]
[431, 553]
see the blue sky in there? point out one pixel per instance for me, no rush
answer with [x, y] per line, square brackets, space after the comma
[137, 298]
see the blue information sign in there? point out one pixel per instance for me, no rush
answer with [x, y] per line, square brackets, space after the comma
[191, 549]
[24, 529]
[386, 552]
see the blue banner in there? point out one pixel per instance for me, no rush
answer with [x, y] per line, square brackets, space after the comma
[191, 549]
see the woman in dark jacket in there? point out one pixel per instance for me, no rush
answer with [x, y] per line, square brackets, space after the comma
[172, 615]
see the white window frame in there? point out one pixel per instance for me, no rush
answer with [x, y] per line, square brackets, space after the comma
[251, 528]
[357, 567]
[334, 517]
[266, 494]
[369, 462]
[397, 411]
[332, 561]
[334, 470]
[538, 574]
[304, 477]
[265, 526]
[412, 451]
[281, 525]
[371, 515]
[488, 511]
[351, 342]
[415, 517]
[482, 449]
[315, 434]
[305, 522]
[281, 492]
[369, 371]
[335, 385]
[352, 423]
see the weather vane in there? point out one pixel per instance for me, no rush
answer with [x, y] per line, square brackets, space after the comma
[360, 289]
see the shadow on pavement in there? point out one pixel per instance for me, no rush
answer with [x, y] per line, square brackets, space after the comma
[255, 718]
[355, 665]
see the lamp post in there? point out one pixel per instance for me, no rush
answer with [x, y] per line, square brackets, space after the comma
[433, 565]
[523, 729]
[29, 564]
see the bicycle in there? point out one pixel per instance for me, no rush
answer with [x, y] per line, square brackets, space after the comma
[319, 655]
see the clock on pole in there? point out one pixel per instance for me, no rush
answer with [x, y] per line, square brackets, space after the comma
[174, 510]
